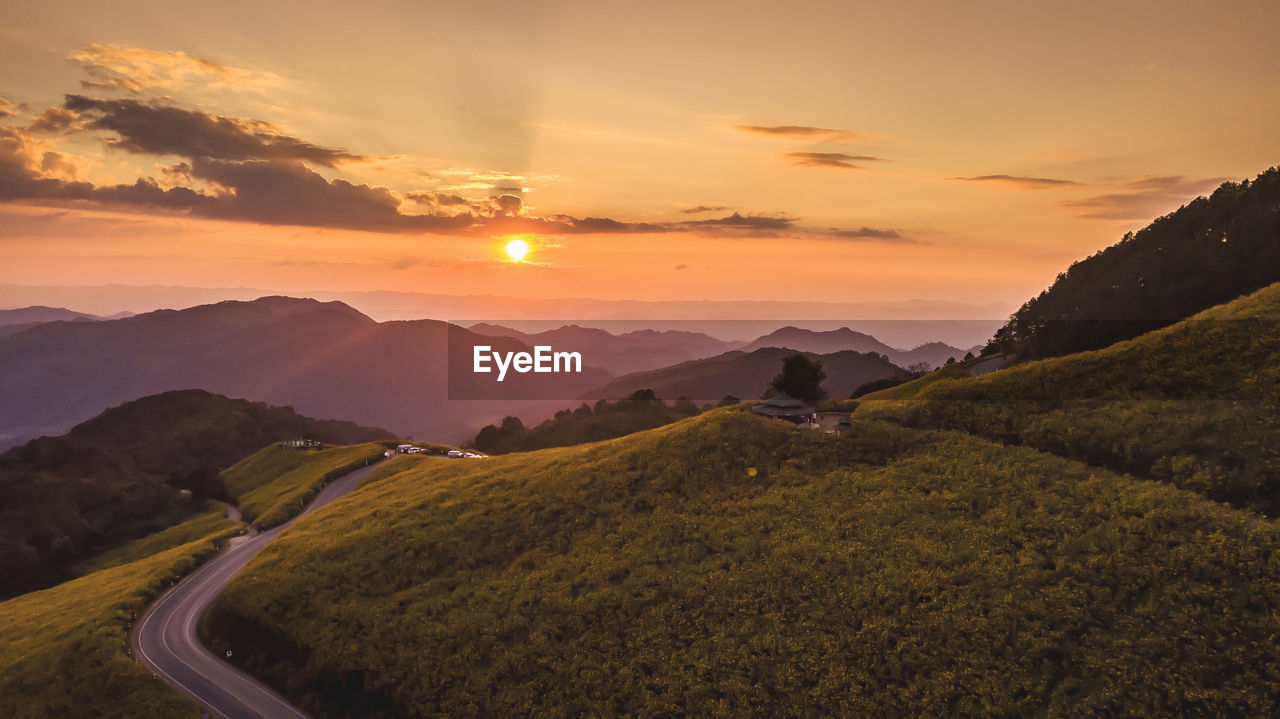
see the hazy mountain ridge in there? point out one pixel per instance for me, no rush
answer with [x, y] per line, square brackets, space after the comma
[326, 359]
[619, 353]
[37, 314]
[746, 375]
[935, 354]
[20, 320]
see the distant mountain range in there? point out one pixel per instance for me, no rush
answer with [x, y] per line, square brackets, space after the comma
[650, 349]
[59, 367]
[934, 354]
[37, 314]
[620, 353]
[746, 375]
[325, 359]
[19, 320]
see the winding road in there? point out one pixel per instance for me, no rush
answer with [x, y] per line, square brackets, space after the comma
[165, 641]
[988, 365]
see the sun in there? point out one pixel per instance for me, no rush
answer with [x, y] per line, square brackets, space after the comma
[517, 249]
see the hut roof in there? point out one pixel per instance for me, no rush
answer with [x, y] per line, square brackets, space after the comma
[781, 405]
[783, 400]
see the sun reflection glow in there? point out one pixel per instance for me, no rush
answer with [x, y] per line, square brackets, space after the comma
[517, 249]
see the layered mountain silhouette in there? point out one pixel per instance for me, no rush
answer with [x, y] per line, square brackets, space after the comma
[327, 359]
[620, 353]
[324, 358]
[746, 375]
[934, 354]
[19, 320]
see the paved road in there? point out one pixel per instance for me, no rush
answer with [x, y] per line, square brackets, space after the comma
[990, 364]
[165, 639]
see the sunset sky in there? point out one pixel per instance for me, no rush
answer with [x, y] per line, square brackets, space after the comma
[827, 151]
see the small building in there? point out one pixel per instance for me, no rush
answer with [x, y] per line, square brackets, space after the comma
[843, 425]
[301, 444]
[781, 406]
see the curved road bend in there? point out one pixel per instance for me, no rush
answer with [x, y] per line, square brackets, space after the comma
[165, 638]
[986, 366]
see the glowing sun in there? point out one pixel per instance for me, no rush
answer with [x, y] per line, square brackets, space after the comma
[517, 249]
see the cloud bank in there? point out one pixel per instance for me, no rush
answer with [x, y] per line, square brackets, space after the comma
[246, 170]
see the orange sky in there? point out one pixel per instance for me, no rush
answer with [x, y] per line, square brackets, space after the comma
[746, 150]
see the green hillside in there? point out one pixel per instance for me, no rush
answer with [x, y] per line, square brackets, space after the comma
[1196, 404]
[1208, 252]
[77, 631]
[198, 527]
[275, 483]
[730, 565]
[64, 650]
[65, 500]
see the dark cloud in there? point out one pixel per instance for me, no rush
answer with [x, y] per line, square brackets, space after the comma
[447, 200]
[869, 234]
[737, 221]
[830, 159]
[442, 199]
[682, 267]
[599, 225]
[152, 129]
[178, 173]
[275, 193]
[281, 189]
[1143, 199]
[704, 208]
[288, 193]
[506, 199]
[733, 225]
[508, 204]
[56, 120]
[57, 163]
[809, 132]
[736, 225]
[1030, 183]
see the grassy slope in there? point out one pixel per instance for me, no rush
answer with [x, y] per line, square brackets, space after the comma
[76, 632]
[63, 650]
[910, 389]
[198, 527]
[730, 565]
[114, 478]
[275, 483]
[587, 423]
[1195, 404]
